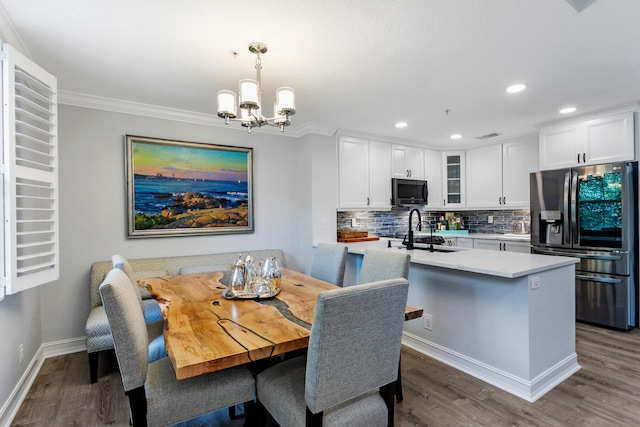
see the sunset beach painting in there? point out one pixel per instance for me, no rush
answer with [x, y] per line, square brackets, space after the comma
[186, 188]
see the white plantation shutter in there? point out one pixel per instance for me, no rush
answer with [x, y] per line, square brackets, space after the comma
[30, 173]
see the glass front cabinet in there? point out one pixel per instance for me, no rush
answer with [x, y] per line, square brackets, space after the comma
[453, 178]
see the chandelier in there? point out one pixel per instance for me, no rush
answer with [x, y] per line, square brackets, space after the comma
[250, 101]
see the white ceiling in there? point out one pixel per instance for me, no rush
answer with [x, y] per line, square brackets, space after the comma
[356, 65]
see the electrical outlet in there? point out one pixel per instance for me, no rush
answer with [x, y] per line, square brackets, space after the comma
[490, 219]
[353, 222]
[21, 352]
[428, 322]
[534, 282]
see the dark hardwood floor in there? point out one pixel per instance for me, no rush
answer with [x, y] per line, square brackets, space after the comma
[605, 392]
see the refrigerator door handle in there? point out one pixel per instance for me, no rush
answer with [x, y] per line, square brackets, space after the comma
[574, 206]
[565, 207]
[598, 279]
[578, 255]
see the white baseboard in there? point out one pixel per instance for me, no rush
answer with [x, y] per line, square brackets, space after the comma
[19, 393]
[529, 390]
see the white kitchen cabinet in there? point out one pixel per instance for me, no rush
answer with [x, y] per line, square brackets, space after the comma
[484, 177]
[522, 247]
[407, 162]
[379, 175]
[464, 242]
[450, 241]
[433, 176]
[364, 174]
[502, 245]
[601, 140]
[519, 159]
[498, 175]
[453, 179]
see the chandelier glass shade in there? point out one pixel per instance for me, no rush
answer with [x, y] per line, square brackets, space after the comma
[250, 100]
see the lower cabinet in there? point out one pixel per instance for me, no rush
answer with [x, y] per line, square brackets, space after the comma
[502, 245]
[464, 242]
[450, 241]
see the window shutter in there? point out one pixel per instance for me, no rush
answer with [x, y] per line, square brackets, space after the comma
[30, 173]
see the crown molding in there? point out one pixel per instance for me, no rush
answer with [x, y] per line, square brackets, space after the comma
[9, 34]
[166, 113]
[619, 109]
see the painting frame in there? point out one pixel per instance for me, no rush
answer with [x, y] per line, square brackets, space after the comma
[181, 188]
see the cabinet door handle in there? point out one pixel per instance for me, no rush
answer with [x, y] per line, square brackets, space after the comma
[504, 200]
[368, 201]
[578, 157]
[499, 200]
[584, 158]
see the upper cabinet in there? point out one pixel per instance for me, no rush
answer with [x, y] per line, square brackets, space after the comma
[519, 159]
[453, 179]
[407, 162]
[602, 140]
[433, 176]
[484, 169]
[364, 174]
[498, 175]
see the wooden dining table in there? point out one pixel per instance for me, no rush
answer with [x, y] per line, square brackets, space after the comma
[205, 332]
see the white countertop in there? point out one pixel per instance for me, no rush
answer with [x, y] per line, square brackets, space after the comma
[494, 263]
[506, 236]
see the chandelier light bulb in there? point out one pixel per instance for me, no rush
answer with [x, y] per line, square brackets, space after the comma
[277, 117]
[286, 100]
[226, 104]
[249, 94]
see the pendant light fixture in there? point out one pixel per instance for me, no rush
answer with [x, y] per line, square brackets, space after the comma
[250, 100]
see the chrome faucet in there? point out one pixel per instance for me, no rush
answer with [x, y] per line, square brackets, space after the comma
[410, 239]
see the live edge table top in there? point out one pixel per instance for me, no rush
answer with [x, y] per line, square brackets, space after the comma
[205, 332]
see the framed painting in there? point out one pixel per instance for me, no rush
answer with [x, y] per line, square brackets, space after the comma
[177, 188]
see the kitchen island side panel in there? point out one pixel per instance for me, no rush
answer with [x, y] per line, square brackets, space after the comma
[495, 328]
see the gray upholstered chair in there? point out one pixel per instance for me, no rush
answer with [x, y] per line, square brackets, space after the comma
[329, 263]
[349, 373]
[150, 310]
[382, 265]
[97, 328]
[155, 396]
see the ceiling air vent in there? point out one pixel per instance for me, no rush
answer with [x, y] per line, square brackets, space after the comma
[487, 136]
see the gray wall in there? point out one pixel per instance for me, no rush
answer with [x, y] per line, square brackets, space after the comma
[93, 217]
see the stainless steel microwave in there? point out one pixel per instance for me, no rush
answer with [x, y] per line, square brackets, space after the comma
[406, 192]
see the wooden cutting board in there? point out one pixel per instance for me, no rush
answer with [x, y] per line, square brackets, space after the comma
[358, 239]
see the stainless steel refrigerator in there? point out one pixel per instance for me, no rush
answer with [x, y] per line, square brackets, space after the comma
[590, 212]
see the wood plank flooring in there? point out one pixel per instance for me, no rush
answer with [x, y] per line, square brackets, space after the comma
[605, 392]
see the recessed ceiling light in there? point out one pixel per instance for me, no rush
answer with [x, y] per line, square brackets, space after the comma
[567, 110]
[401, 125]
[456, 136]
[519, 87]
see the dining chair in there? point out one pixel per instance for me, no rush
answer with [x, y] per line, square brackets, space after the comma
[155, 326]
[382, 265]
[156, 397]
[329, 263]
[349, 373]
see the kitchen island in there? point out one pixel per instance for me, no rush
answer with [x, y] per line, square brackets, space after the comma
[505, 318]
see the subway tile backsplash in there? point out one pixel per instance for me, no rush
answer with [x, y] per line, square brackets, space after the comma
[395, 223]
